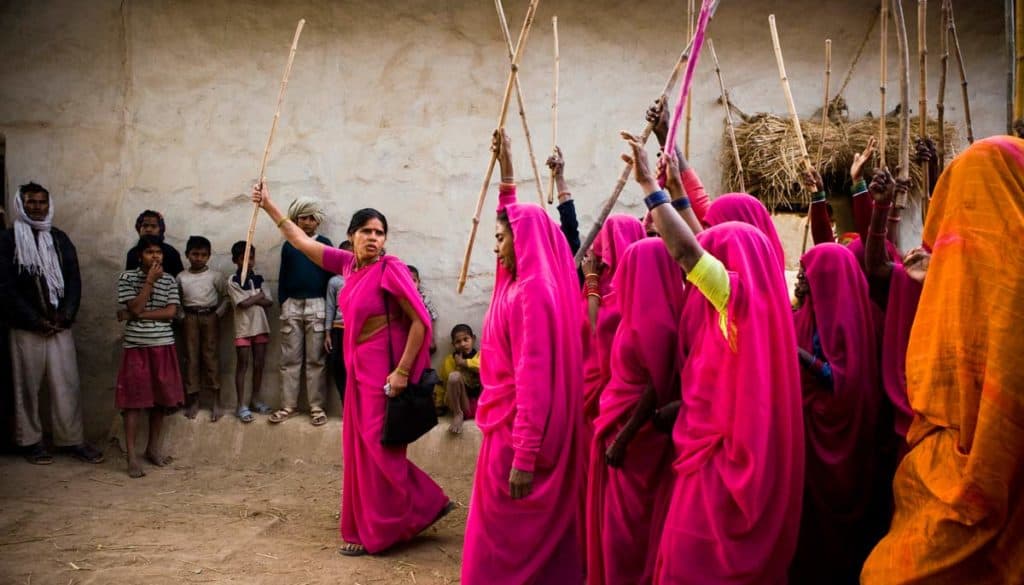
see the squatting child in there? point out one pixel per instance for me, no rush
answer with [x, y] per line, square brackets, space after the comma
[460, 377]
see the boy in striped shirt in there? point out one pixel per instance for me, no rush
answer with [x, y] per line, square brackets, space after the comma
[149, 378]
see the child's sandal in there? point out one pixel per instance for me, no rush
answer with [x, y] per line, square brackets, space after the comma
[281, 415]
[260, 408]
[244, 414]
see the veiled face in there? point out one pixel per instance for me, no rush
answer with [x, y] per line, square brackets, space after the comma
[504, 247]
[37, 205]
[802, 290]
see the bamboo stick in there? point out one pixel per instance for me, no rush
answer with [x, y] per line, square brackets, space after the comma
[609, 203]
[963, 74]
[922, 55]
[789, 93]
[884, 55]
[904, 74]
[940, 101]
[691, 11]
[554, 111]
[824, 110]
[684, 87]
[520, 99]
[513, 72]
[266, 150]
[728, 116]
[1018, 75]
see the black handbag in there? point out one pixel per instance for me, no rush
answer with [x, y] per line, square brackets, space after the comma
[411, 414]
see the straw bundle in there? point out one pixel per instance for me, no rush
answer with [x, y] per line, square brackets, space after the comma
[771, 156]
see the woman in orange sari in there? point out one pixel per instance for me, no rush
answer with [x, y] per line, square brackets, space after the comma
[960, 489]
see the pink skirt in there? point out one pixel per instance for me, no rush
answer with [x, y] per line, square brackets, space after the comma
[148, 377]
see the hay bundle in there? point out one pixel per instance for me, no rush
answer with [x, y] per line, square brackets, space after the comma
[770, 153]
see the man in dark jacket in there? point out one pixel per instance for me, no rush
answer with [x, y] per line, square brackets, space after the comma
[40, 292]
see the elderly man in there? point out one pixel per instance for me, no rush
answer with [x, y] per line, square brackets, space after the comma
[40, 291]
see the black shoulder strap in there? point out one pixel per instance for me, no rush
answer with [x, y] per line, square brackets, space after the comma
[387, 315]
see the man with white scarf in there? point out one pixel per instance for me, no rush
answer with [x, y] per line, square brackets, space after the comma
[40, 293]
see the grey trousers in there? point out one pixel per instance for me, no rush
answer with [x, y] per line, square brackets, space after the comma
[39, 361]
[302, 343]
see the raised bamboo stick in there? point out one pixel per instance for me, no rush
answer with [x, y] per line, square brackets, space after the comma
[904, 73]
[728, 116]
[922, 56]
[884, 56]
[266, 150]
[554, 111]
[520, 99]
[824, 109]
[512, 75]
[691, 12]
[789, 93]
[940, 101]
[963, 74]
[609, 203]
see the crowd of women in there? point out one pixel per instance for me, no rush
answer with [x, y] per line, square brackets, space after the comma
[681, 420]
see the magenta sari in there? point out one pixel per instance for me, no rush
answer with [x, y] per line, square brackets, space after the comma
[749, 210]
[623, 528]
[530, 414]
[739, 467]
[840, 422]
[385, 499]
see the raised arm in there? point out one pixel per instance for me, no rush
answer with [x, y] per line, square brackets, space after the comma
[313, 249]
[692, 187]
[567, 219]
[860, 200]
[502, 144]
[821, 225]
[680, 201]
[877, 264]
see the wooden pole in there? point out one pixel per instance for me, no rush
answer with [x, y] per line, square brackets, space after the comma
[904, 73]
[922, 56]
[609, 203]
[691, 12]
[554, 110]
[824, 110]
[963, 74]
[884, 55]
[1018, 72]
[520, 99]
[789, 93]
[266, 150]
[514, 69]
[940, 101]
[728, 116]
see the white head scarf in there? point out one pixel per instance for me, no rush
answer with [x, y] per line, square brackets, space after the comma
[35, 252]
[306, 206]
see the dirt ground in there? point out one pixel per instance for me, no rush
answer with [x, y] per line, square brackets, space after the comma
[74, 523]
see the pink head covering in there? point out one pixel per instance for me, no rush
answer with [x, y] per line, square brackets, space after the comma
[739, 472]
[617, 233]
[747, 209]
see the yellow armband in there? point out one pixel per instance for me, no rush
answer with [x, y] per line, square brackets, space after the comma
[712, 280]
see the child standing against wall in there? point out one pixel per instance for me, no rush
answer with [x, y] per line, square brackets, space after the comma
[149, 378]
[203, 297]
[252, 331]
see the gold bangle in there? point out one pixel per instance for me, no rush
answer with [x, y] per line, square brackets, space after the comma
[281, 221]
[402, 371]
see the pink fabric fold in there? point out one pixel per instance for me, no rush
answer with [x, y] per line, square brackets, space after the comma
[739, 466]
[747, 209]
[622, 530]
[840, 422]
[385, 499]
[904, 294]
[530, 414]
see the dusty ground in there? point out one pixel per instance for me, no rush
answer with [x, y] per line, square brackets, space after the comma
[265, 523]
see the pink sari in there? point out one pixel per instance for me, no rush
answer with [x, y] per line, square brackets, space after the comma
[840, 422]
[530, 414]
[749, 210]
[904, 293]
[623, 528]
[385, 499]
[739, 467]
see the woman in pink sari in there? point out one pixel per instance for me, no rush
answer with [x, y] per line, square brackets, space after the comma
[838, 352]
[523, 518]
[734, 510]
[629, 458]
[385, 498]
[749, 210]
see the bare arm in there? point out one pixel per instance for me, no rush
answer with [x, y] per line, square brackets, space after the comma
[877, 265]
[615, 455]
[313, 249]
[680, 200]
[137, 306]
[399, 378]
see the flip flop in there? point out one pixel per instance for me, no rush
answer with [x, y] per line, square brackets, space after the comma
[260, 408]
[318, 418]
[244, 414]
[85, 453]
[281, 415]
[350, 549]
[38, 455]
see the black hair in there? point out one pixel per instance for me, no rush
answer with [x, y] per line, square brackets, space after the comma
[147, 242]
[363, 216]
[238, 250]
[413, 269]
[503, 218]
[462, 328]
[198, 243]
[345, 245]
[32, 187]
[151, 213]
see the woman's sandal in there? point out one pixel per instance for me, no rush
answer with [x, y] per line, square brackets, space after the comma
[280, 415]
[318, 417]
[350, 549]
[244, 414]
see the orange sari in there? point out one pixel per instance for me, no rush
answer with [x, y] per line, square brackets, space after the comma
[960, 489]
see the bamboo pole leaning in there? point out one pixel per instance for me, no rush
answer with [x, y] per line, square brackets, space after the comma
[520, 99]
[266, 150]
[951, 31]
[789, 93]
[554, 110]
[609, 203]
[728, 116]
[884, 57]
[940, 101]
[824, 108]
[922, 56]
[904, 74]
[512, 76]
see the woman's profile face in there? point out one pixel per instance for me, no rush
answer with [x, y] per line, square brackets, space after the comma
[504, 246]
[368, 239]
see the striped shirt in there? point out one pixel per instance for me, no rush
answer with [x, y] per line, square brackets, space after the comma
[147, 332]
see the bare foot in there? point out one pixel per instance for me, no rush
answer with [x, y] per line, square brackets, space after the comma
[193, 409]
[135, 469]
[157, 459]
[456, 427]
[216, 413]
